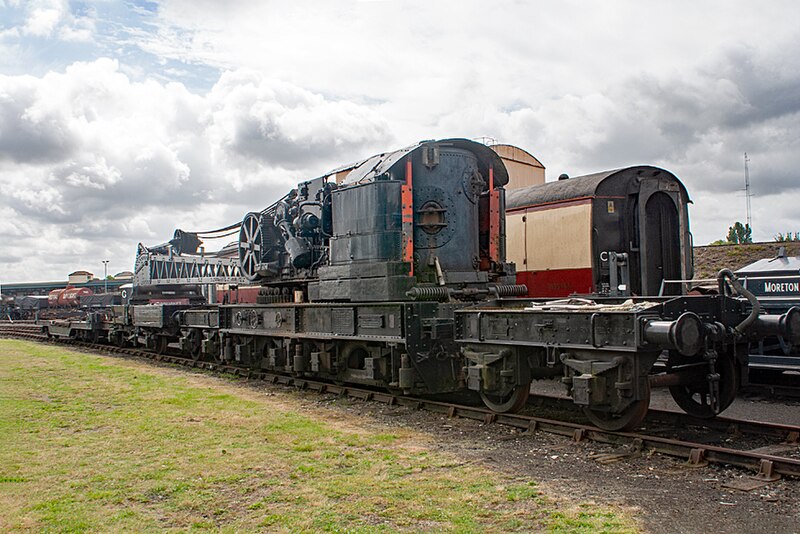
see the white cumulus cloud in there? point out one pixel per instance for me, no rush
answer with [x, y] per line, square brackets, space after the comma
[97, 162]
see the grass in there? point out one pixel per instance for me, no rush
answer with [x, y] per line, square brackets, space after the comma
[101, 444]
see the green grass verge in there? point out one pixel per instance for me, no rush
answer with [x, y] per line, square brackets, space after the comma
[94, 443]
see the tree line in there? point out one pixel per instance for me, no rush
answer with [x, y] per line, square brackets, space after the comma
[740, 234]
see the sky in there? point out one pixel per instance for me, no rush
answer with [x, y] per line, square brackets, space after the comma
[121, 121]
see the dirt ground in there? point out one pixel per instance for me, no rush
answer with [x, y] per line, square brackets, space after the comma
[660, 491]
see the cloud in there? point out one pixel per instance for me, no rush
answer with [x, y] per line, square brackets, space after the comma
[94, 175]
[54, 19]
[92, 159]
[78, 30]
[696, 122]
[272, 121]
[43, 17]
[32, 131]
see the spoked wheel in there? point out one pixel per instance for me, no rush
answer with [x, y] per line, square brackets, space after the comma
[510, 403]
[628, 419]
[695, 399]
[250, 245]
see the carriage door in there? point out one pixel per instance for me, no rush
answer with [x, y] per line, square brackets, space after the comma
[661, 244]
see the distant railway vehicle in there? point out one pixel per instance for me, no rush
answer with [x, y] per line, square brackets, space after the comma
[619, 232]
[100, 300]
[69, 297]
[59, 303]
[31, 307]
[8, 309]
[776, 284]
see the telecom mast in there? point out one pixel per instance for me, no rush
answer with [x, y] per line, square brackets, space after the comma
[747, 193]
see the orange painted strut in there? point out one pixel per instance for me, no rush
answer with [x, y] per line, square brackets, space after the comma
[407, 199]
[494, 219]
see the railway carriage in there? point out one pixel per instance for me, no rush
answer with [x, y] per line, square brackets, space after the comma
[619, 232]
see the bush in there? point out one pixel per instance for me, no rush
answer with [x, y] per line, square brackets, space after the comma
[787, 237]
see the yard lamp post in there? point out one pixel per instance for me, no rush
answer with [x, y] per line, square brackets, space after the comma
[105, 276]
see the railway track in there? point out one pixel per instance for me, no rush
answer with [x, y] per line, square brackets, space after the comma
[776, 454]
[657, 418]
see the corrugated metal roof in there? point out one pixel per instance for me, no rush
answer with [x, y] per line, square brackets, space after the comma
[773, 265]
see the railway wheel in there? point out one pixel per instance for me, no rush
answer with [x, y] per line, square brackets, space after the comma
[216, 353]
[695, 399]
[510, 403]
[119, 339]
[161, 344]
[195, 346]
[630, 418]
